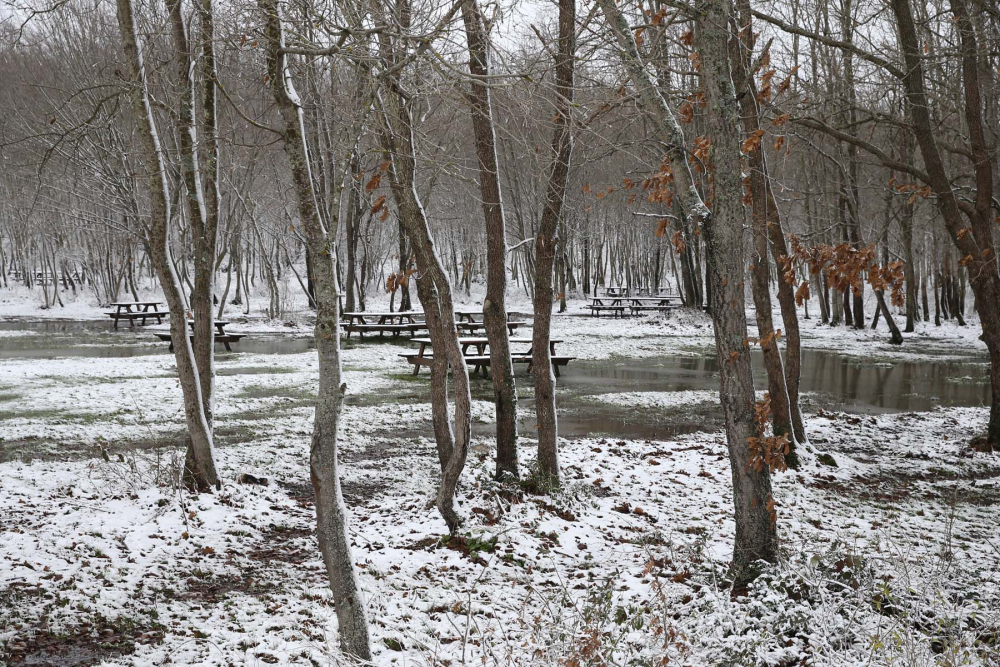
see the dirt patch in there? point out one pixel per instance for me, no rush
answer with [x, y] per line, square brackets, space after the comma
[84, 645]
[286, 545]
[213, 589]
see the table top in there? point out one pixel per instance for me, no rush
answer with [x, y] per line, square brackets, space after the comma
[136, 303]
[483, 340]
[372, 313]
[222, 322]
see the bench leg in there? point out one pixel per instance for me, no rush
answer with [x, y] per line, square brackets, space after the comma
[555, 367]
[416, 368]
[226, 344]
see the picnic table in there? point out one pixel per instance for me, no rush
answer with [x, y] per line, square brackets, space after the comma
[471, 315]
[472, 327]
[410, 322]
[617, 305]
[221, 335]
[615, 291]
[602, 304]
[137, 310]
[392, 322]
[662, 303]
[479, 359]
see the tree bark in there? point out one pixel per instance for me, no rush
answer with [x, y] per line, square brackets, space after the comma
[546, 242]
[331, 514]
[976, 247]
[764, 214]
[756, 534]
[495, 303]
[433, 287]
[203, 471]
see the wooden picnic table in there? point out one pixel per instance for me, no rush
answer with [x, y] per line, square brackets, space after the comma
[137, 310]
[472, 327]
[411, 322]
[636, 304]
[360, 322]
[611, 304]
[479, 360]
[370, 317]
[471, 315]
[221, 336]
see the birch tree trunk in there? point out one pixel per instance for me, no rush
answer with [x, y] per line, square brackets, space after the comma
[331, 514]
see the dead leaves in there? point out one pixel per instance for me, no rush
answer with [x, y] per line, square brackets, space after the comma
[766, 450]
[845, 268]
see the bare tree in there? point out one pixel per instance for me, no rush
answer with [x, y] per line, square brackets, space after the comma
[202, 473]
[495, 303]
[331, 514]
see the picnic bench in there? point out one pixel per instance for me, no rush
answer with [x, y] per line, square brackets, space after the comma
[663, 303]
[221, 335]
[411, 322]
[604, 304]
[381, 322]
[472, 327]
[633, 304]
[474, 351]
[475, 316]
[137, 310]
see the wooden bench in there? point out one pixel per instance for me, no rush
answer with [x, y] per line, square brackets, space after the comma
[221, 335]
[480, 362]
[474, 351]
[473, 327]
[131, 317]
[597, 309]
[648, 308]
[225, 338]
[361, 328]
[136, 310]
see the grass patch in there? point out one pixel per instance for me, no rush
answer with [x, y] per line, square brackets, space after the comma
[276, 391]
[256, 370]
[33, 413]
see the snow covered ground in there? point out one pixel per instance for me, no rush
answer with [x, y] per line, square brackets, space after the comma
[889, 531]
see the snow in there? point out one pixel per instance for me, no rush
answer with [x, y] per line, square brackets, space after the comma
[890, 557]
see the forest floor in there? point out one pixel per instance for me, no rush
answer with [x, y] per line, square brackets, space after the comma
[891, 552]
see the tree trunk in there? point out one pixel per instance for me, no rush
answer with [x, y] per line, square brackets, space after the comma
[203, 469]
[764, 215]
[756, 534]
[978, 246]
[495, 303]
[433, 287]
[331, 514]
[546, 243]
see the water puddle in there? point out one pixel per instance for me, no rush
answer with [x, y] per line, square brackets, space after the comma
[51, 339]
[829, 380]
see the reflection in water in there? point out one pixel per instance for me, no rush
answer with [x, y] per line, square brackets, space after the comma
[75, 338]
[829, 380]
[840, 382]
